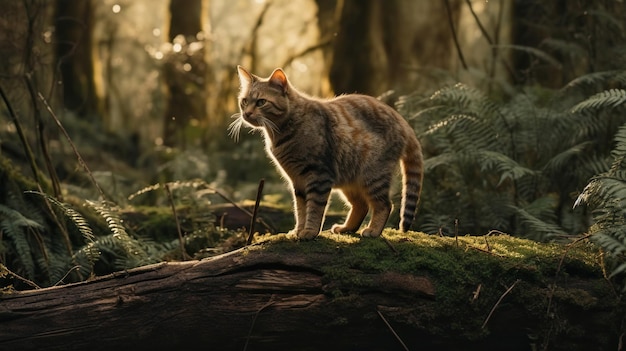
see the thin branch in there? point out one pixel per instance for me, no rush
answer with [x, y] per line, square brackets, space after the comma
[558, 270]
[20, 133]
[256, 315]
[81, 161]
[453, 29]
[492, 43]
[255, 211]
[181, 240]
[237, 206]
[478, 23]
[389, 245]
[498, 303]
[393, 331]
[66, 274]
[54, 179]
[320, 45]
[5, 270]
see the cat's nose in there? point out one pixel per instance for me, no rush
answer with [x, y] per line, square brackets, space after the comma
[247, 114]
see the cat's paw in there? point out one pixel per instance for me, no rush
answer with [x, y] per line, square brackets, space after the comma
[306, 234]
[294, 231]
[338, 229]
[370, 233]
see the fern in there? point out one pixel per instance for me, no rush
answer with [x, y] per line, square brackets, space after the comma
[522, 151]
[539, 229]
[508, 168]
[111, 215]
[606, 195]
[15, 226]
[602, 100]
[79, 222]
[594, 79]
[540, 54]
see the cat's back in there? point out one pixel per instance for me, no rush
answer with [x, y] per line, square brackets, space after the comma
[366, 114]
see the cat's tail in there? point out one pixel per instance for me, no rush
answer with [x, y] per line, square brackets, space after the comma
[412, 164]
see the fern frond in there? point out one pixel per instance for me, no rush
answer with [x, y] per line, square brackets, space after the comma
[606, 17]
[606, 99]
[592, 79]
[144, 190]
[15, 225]
[76, 218]
[458, 94]
[540, 54]
[619, 151]
[538, 229]
[558, 162]
[110, 214]
[506, 166]
[613, 240]
[569, 48]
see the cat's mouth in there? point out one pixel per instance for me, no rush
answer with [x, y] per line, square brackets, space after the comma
[253, 121]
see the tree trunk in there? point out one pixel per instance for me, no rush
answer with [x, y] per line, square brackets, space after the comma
[288, 295]
[74, 26]
[185, 71]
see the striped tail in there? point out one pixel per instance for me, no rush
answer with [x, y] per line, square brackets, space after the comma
[412, 164]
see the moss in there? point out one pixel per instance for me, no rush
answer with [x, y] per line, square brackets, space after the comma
[458, 267]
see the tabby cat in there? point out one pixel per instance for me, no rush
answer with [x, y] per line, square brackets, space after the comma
[352, 143]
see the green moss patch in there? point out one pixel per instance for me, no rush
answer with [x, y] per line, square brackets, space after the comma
[469, 273]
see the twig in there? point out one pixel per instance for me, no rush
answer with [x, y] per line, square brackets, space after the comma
[237, 206]
[389, 244]
[494, 231]
[259, 192]
[393, 331]
[485, 251]
[183, 253]
[476, 293]
[456, 39]
[492, 43]
[268, 304]
[54, 179]
[498, 303]
[456, 232]
[66, 274]
[81, 161]
[558, 269]
[15, 275]
[20, 133]
[487, 243]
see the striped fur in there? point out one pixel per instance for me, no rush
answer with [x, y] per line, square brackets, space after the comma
[352, 143]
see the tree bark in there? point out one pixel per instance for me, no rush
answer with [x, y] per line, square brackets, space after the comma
[185, 72]
[282, 295]
[74, 26]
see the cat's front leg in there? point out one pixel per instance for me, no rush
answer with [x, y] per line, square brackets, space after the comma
[299, 209]
[317, 195]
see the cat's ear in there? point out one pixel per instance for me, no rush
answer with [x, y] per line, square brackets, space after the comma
[245, 78]
[279, 80]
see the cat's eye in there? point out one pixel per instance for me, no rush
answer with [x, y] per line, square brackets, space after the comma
[260, 102]
[244, 102]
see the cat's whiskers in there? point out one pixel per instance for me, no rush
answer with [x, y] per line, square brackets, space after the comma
[234, 128]
[270, 126]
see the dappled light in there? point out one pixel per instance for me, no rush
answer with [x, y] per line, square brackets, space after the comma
[139, 133]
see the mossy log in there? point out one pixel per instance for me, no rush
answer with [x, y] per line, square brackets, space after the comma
[341, 292]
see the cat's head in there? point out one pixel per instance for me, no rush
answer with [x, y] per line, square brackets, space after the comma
[263, 102]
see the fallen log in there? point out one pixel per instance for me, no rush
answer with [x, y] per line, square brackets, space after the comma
[341, 292]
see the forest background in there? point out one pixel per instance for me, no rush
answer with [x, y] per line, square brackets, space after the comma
[114, 143]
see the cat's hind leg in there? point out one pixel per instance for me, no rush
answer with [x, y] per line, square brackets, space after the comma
[357, 213]
[380, 204]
